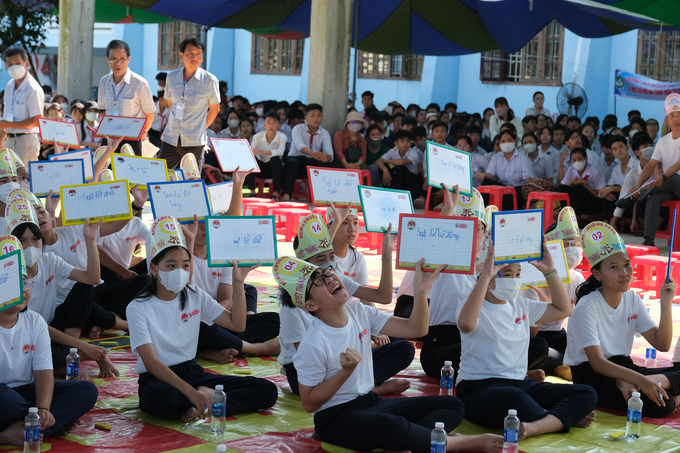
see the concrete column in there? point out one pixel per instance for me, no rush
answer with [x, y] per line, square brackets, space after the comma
[330, 35]
[76, 30]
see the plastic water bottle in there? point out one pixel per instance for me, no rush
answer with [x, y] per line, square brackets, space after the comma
[438, 438]
[650, 358]
[219, 411]
[634, 422]
[446, 384]
[221, 448]
[32, 431]
[72, 364]
[511, 432]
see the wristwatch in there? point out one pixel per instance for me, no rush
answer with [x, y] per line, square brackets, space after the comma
[550, 274]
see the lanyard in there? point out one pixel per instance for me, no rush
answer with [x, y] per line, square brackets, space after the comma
[184, 87]
[115, 96]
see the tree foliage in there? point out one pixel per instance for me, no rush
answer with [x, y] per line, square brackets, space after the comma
[24, 23]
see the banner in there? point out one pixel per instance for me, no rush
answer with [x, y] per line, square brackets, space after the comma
[631, 85]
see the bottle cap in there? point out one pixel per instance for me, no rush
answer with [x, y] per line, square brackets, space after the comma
[447, 363]
[219, 388]
[512, 412]
[33, 410]
[221, 448]
[73, 350]
[636, 394]
[439, 425]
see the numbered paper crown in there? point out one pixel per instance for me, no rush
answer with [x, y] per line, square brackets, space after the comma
[9, 244]
[166, 232]
[7, 165]
[18, 212]
[189, 166]
[599, 241]
[567, 226]
[18, 163]
[470, 206]
[293, 275]
[313, 237]
[24, 194]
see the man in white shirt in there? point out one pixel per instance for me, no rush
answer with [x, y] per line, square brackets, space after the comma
[23, 105]
[311, 144]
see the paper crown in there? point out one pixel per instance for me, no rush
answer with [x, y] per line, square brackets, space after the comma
[166, 232]
[292, 275]
[18, 163]
[672, 103]
[330, 216]
[189, 166]
[7, 166]
[99, 153]
[470, 206]
[105, 175]
[488, 215]
[18, 212]
[23, 194]
[567, 226]
[127, 149]
[482, 251]
[8, 244]
[313, 237]
[174, 175]
[599, 241]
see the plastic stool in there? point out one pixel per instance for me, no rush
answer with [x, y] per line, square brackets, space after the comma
[297, 192]
[259, 186]
[365, 177]
[320, 211]
[293, 204]
[288, 221]
[255, 209]
[496, 195]
[548, 199]
[257, 200]
[674, 206]
[651, 272]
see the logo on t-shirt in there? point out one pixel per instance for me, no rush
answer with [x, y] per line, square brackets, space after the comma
[347, 274]
[28, 348]
[75, 247]
[362, 334]
[185, 317]
[216, 274]
[47, 282]
[632, 317]
[519, 320]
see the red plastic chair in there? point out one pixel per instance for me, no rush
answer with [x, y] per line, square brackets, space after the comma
[255, 209]
[496, 195]
[651, 271]
[548, 199]
[674, 206]
[288, 221]
[293, 204]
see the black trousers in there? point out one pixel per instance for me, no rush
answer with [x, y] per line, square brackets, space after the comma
[173, 154]
[611, 397]
[260, 327]
[274, 170]
[116, 297]
[557, 343]
[75, 310]
[244, 394]
[110, 277]
[582, 200]
[403, 179]
[369, 422]
[487, 401]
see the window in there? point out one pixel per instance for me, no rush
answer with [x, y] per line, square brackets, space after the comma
[170, 35]
[380, 66]
[277, 56]
[537, 63]
[658, 55]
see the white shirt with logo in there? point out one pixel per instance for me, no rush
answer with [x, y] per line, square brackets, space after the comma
[353, 266]
[31, 342]
[52, 272]
[576, 280]
[121, 244]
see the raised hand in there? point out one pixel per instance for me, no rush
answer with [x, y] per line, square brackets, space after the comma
[239, 177]
[239, 274]
[490, 269]
[190, 230]
[546, 265]
[113, 144]
[340, 213]
[423, 281]
[90, 229]
[139, 195]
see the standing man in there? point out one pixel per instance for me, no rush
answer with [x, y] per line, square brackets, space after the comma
[124, 93]
[194, 101]
[23, 105]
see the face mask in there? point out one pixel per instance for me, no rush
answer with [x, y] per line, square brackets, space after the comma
[374, 142]
[17, 71]
[529, 148]
[175, 280]
[450, 115]
[579, 165]
[501, 111]
[259, 111]
[647, 152]
[230, 104]
[430, 115]
[326, 265]
[32, 255]
[574, 256]
[354, 127]
[91, 116]
[507, 147]
[26, 185]
[412, 113]
[506, 288]
[633, 132]
[64, 107]
[384, 125]
[233, 123]
[5, 189]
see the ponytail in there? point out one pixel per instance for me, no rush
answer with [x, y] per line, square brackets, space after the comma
[590, 285]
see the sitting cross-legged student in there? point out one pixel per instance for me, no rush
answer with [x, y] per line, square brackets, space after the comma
[399, 168]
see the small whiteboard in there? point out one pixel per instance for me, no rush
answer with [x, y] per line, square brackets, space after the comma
[248, 240]
[65, 133]
[175, 175]
[381, 207]
[120, 126]
[532, 276]
[139, 170]
[85, 154]
[49, 175]
[108, 201]
[11, 280]
[179, 199]
[220, 197]
[234, 152]
[440, 240]
[518, 236]
[449, 166]
[334, 185]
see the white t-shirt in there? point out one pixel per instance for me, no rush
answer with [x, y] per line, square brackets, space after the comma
[593, 322]
[209, 278]
[353, 266]
[576, 280]
[31, 351]
[499, 345]
[172, 331]
[411, 154]
[52, 273]
[406, 285]
[121, 244]
[318, 357]
[667, 151]
[448, 292]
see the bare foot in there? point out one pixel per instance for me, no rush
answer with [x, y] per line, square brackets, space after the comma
[107, 369]
[267, 348]
[523, 430]
[392, 387]
[590, 418]
[13, 435]
[563, 371]
[488, 443]
[222, 356]
[536, 375]
[66, 430]
[189, 414]
[676, 398]
[94, 332]
[626, 389]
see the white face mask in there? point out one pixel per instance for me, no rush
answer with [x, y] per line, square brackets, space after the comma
[32, 255]
[574, 256]
[230, 104]
[633, 132]
[64, 107]
[16, 71]
[506, 288]
[507, 147]
[529, 148]
[354, 127]
[175, 280]
[647, 152]
[333, 264]
[91, 116]
[259, 111]
[233, 123]
[412, 113]
[5, 189]
[579, 165]
[26, 185]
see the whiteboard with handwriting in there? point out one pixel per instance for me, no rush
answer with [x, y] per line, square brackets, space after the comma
[220, 196]
[381, 207]
[334, 185]
[179, 199]
[248, 240]
[120, 126]
[449, 166]
[11, 280]
[440, 240]
[85, 154]
[65, 133]
[532, 276]
[233, 153]
[518, 236]
[139, 170]
[49, 175]
[106, 200]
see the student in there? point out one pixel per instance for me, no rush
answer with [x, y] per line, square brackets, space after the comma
[8, 182]
[247, 128]
[607, 162]
[336, 377]
[475, 134]
[504, 114]
[268, 147]
[529, 124]
[350, 262]
[375, 149]
[479, 164]
[538, 108]
[403, 171]
[494, 323]
[582, 182]
[603, 325]
[652, 128]
[26, 378]
[349, 145]
[610, 193]
[541, 164]
[116, 252]
[574, 140]
[164, 325]
[588, 130]
[231, 129]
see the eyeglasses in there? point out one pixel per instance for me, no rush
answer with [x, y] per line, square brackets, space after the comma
[26, 178]
[113, 61]
[28, 285]
[572, 243]
[320, 279]
[193, 56]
